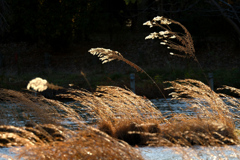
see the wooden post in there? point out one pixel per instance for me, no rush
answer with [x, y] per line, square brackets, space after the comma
[132, 82]
[210, 79]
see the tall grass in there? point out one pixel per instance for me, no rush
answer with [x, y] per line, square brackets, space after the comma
[106, 123]
[87, 144]
[39, 137]
[128, 117]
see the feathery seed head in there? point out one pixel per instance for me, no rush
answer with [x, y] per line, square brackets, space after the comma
[37, 84]
[152, 35]
[165, 21]
[173, 36]
[158, 18]
[163, 32]
[148, 23]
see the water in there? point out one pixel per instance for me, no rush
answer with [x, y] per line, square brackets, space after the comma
[194, 153]
[175, 153]
[6, 151]
[175, 106]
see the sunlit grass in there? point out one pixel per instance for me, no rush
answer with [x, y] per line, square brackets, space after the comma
[108, 122]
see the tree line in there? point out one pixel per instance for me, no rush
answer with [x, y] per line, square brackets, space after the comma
[65, 21]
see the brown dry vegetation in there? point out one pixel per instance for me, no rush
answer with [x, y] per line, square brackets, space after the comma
[84, 143]
[105, 123]
[213, 123]
[87, 144]
[124, 116]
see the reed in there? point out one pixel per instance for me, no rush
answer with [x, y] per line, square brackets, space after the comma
[121, 118]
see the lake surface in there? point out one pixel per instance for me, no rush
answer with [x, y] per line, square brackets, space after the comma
[194, 153]
[175, 153]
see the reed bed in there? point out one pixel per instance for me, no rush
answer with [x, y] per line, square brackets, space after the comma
[13, 102]
[106, 123]
[110, 103]
[39, 137]
[86, 144]
[23, 107]
[213, 123]
[122, 118]
[217, 117]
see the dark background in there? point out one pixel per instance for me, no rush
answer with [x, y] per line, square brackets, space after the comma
[51, 39]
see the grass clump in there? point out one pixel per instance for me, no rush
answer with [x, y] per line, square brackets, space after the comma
[87, 144]
[212, 124]
[43, 141]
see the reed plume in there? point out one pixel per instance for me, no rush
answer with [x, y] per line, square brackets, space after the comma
[174, 40]
[107, 55]
[38, 84]
[181, 42]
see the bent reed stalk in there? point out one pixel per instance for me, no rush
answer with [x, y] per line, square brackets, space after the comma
[107, 55]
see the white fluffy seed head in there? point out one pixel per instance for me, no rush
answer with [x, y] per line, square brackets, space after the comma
[163, 32]
[148, 23]
[165, 21]
[152, 35]
[37, 84]
[158, 18]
